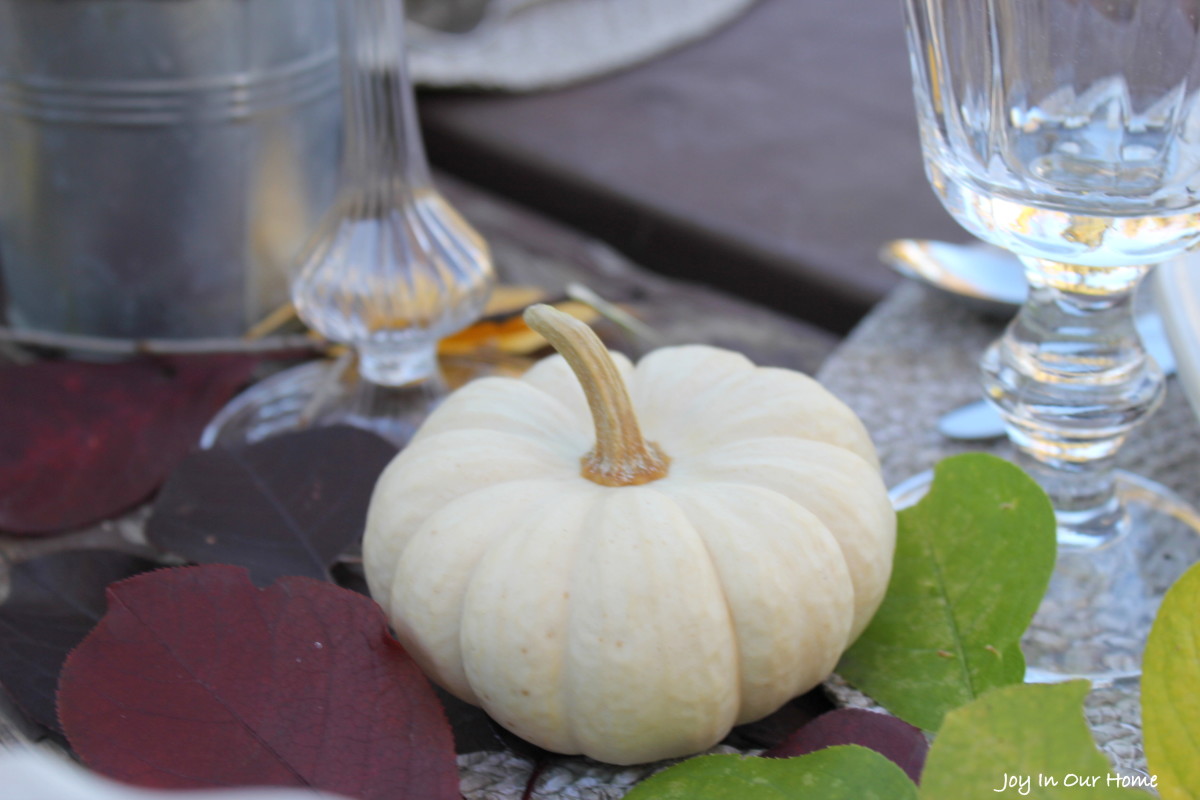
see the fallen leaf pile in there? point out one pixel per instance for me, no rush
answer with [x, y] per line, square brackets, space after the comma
[1024, 730]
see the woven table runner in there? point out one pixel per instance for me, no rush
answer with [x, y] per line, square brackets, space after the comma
[925, 349]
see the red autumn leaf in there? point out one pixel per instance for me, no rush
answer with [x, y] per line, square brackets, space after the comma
[82, 442]
[894, 738]
[197, 679]
[288, 505]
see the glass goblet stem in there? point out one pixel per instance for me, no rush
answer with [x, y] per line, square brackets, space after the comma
[1072, 379]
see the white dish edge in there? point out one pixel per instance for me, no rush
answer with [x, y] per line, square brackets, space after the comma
[1176, 287]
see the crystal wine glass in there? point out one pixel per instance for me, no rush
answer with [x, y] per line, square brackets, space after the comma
[1068, 131]
[390, 269]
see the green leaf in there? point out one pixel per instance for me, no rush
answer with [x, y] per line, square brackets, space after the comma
[973, 560]
[1171, 691]
[1030, 739]
[845, 772]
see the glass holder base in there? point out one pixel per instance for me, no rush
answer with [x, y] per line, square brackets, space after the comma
[1101, 602]
[322, 393]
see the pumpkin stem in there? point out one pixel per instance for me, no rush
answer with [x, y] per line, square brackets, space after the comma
[621, 457]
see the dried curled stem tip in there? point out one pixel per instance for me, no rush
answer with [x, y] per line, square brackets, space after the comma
[622, 456]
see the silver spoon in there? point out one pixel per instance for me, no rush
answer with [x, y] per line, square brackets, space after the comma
[986, 277]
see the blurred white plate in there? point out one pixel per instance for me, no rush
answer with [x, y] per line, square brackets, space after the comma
[1177, 293]
[539, 44]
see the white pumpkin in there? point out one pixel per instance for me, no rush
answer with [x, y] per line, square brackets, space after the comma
[636, 604]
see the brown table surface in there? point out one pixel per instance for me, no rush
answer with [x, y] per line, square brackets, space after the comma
[770, 159]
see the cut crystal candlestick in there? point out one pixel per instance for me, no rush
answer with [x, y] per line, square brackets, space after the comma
[390, 270]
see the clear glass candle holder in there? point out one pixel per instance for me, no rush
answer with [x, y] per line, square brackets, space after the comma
[390, 270]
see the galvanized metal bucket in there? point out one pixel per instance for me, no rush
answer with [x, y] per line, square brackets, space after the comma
[161, 161]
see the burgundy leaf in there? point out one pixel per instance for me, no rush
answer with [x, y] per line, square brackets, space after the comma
[53, 602]
[82, 442]
[195, 679]
[904, 744]
[288, 505]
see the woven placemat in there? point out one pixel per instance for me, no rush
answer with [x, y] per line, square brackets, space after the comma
[925, 348]
[540, 44]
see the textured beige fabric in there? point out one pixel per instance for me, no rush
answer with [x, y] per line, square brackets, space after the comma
[503, 776]
[546, 43]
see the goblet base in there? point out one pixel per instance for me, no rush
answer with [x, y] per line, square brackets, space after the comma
[323, 393]
[1102, 599]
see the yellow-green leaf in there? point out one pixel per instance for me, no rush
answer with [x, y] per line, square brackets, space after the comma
[973, 560]
[1029, 740]
[845, 772]
[1171, 691]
